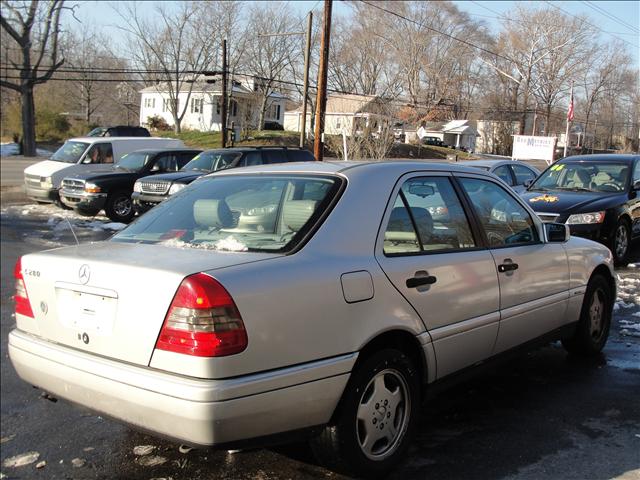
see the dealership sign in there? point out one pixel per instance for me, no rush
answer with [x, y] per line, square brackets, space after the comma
[526, 147]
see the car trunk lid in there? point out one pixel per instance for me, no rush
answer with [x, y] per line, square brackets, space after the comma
[111, 298]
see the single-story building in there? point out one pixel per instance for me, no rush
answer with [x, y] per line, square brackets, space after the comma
[204, 104]
[347, 113]
[455, 133]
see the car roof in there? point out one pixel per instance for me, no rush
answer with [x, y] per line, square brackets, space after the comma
[166, 150]
[117, 139]
[257, 148]
[341, 167]
[485, 163]
[604, 157]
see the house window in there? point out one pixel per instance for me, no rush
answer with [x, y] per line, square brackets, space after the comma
[234, 108]
[196, 105]
[166, 104]
[338, 124]
[150, 103]
[273, 111]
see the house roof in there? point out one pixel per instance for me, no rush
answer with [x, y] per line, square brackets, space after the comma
[461, 127]
[200, 86]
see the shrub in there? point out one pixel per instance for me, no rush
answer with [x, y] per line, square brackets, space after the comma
[273, 126]
[158, 123]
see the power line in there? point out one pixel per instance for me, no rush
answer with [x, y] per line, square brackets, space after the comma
[585, 21]
[611, 16]
[453, 37]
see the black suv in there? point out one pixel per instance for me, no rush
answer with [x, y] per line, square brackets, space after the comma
[150, 191]
[119, 131]
[111, 190]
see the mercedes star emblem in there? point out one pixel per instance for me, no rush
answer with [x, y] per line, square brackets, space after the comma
[84, 274]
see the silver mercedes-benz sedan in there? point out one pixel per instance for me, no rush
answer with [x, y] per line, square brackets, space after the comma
[316, 298]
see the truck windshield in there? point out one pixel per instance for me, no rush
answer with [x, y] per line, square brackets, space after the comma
[211, 161]
[70, 152]
[264, 213]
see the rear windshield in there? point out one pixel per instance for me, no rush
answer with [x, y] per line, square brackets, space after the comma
[70, 152]
[212, 161]
[266, 213]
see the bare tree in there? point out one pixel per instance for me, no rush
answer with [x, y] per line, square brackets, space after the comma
[174, 44]
[269, 57]
[35, 27]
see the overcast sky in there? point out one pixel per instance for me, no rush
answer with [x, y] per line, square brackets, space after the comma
[94, 13]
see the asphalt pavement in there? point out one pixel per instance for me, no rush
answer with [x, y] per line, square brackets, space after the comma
[544, 415]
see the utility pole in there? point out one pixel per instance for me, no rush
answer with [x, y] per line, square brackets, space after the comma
[321, 99]
[595, 134]
[569, 119]
[535, 119]
[223, 110]
[307, 55]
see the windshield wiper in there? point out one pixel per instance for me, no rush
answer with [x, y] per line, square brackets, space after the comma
[575, 189]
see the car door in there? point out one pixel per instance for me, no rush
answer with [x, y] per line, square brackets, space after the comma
[522, 173]
[533, 275]
[503, 172]
[433, 257]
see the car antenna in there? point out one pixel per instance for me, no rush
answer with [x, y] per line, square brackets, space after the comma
[71, 228]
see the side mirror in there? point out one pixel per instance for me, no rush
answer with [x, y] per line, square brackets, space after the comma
[557, 232]
[86, 160]
[636, 185]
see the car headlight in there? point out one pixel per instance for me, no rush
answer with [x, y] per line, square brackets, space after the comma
[586, 218]
[137, 187]
[91, 188]
[46, 181]
[176, 187]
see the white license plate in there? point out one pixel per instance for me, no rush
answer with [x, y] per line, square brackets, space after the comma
[86, 311]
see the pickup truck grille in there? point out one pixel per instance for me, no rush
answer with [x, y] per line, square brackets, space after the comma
[73, 185]
[32, 180]
[547, 217]
[150, 186]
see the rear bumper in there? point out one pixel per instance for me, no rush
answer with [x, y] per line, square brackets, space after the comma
[190, 410]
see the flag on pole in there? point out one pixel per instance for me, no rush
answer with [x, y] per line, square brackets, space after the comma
[570, 111]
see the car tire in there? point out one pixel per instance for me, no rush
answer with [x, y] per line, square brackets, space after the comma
[368, 435]
[61, 205]
[593, 326]
[119, 207]
[620, 243]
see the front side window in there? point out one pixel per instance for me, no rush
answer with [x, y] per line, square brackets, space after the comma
[427, 217]
[269, 213]
[70, 152]
[505, 221]
[166, 163]
[100, 153]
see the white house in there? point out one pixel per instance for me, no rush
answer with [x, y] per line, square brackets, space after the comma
[204, 104]
[344, 112]
[455, 133]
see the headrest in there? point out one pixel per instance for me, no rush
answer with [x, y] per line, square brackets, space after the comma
[399, 221]
[295, 213]
[212, 213]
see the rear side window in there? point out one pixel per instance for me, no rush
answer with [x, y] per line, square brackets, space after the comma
[300, 156]
[504, 220]
[523, 174]
[251, 159]
[503, 173]
[427, 217]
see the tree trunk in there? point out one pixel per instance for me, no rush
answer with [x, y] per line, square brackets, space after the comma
[28, 121]
[177, 127]
[547, 118]
[263, 108]
[87, 114]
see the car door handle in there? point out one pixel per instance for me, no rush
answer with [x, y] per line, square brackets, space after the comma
[420, 281]
[507, 267]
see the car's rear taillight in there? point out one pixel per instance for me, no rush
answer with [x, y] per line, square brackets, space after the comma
[203, 320]
[23, 307]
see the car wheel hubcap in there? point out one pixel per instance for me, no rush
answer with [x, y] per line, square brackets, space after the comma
[622, 241]
[383, 414]
[122, 207]
[596, 314]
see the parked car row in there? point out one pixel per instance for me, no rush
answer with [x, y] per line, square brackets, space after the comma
[124, 175]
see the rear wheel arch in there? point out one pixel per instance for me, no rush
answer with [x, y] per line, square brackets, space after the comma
[401, 340]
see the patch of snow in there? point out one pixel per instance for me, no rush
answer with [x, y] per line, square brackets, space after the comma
[8, 438]
[228, 244]
[21, 460]
[78, 462]
[41, 464]
[151, 460]
[142, 450]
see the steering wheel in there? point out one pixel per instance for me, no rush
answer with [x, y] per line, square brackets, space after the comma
[616, 188]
